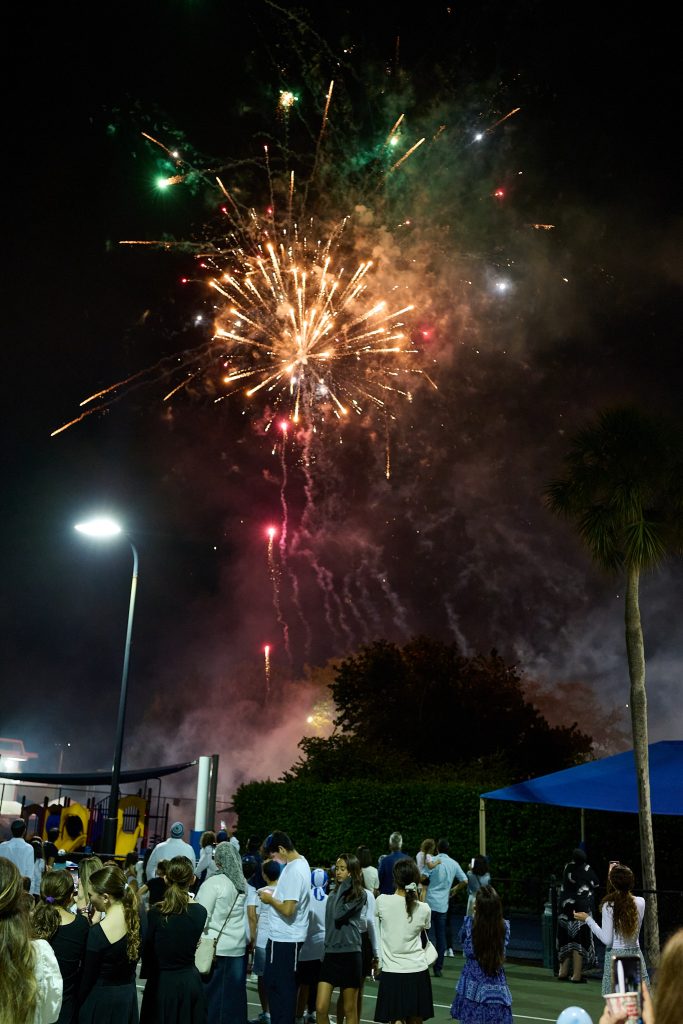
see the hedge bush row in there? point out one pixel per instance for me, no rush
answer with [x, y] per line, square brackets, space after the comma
[525, 842]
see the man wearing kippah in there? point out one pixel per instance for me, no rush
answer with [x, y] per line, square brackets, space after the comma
[174, 846]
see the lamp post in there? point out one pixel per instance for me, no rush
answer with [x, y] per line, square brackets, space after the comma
[103, 528]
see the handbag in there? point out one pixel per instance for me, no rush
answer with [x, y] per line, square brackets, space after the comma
[429, 949]
[205, 953]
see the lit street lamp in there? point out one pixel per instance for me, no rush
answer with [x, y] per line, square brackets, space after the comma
[103, 528]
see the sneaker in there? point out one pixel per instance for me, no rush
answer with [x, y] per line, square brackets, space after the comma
[449, 952]
[310, 1017]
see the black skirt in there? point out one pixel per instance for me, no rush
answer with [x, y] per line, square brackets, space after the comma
[366, 954]
[341, 970]
[110, 1004]
[174, 997]
[404, 995]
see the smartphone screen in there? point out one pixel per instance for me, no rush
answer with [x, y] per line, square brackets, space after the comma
[626, 974]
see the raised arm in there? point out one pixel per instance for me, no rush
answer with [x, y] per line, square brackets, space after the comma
[606, 933]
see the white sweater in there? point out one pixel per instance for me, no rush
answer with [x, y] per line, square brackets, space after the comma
[607, 934]
[400, 941]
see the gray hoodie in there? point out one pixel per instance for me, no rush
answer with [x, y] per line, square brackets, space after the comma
[342, 921]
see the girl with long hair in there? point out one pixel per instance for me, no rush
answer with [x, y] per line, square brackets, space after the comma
[224, 896]
[482, 992]
[66, 932]
[174, 992]
[30, 981]
[405, 988]
[107, 993]
[86, 867]
[622, 918]
[342, 964]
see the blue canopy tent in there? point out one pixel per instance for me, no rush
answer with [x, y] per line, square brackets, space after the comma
[608, 784]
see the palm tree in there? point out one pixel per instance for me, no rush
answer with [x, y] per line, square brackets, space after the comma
[622, 489]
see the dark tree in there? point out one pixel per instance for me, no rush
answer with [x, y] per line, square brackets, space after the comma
[425, 706]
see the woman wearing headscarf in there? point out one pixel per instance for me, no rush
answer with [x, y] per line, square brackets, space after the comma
[223, 895]
[575, 948]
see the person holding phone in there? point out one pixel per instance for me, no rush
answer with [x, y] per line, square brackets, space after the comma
[668, 997]
[622, 918]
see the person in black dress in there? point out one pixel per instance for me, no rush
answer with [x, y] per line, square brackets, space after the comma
[575, 948]
[174, 991]
[67, 933]
[107, 993]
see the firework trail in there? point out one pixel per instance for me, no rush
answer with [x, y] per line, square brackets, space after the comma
[266, 661]
[284, 560]
[399, 611]
[349, 602]
[283, 498]
[275, 579]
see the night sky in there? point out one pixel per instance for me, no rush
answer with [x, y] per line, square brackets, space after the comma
[457, 542]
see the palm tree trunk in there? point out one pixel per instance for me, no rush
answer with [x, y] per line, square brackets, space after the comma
[635, 650]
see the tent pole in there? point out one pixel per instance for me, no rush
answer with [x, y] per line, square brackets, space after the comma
[583, 825]
[482, 826]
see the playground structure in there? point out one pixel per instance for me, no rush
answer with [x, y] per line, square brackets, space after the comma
[81, 826]
[78, 809]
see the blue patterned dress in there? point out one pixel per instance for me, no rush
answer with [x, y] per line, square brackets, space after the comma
[481, 998]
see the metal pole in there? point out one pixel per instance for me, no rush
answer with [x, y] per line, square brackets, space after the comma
[482, 826]
[111, 821]
[213, 786]
[200, 818]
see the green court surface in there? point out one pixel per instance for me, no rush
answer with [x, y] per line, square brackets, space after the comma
[536, 994]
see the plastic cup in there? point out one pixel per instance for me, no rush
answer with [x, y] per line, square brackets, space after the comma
[625, 1002]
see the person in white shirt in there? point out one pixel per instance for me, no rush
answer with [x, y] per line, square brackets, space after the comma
[370, 873]
[205, 865]
[622, 919]
[18, 850]
[405, 990]
[174, 846]
[313, 950]
[31, 983]
[288, 923]
[259, 933]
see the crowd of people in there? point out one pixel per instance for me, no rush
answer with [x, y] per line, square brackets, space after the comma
[72, 951]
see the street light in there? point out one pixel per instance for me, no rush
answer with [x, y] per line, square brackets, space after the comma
[104, 528]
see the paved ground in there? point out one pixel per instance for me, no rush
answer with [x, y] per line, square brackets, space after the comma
[536, 994]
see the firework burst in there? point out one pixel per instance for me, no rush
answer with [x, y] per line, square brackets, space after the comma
[294, 324]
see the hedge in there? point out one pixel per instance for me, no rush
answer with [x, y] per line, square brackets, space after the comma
[525, 842]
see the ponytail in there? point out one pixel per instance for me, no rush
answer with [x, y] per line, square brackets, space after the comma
[407, 877]
[111, 881]
[56, 890]
[179, 875]
[132, 916]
